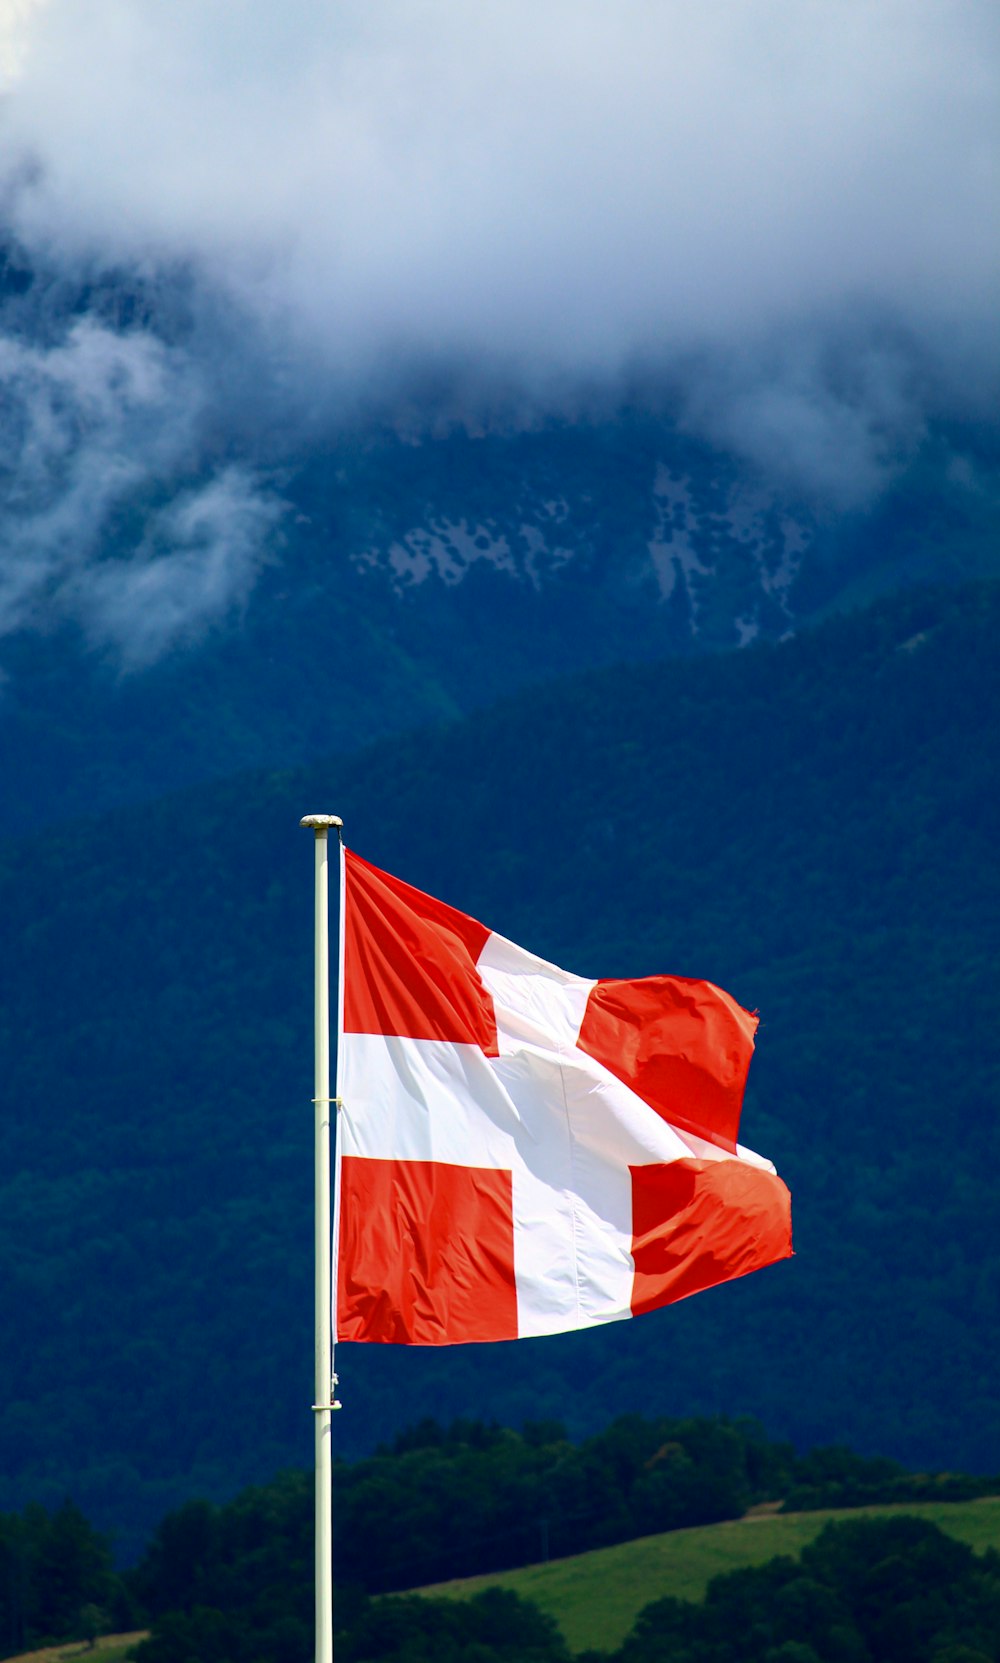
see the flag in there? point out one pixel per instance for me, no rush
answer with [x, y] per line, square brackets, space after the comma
[523, 1151]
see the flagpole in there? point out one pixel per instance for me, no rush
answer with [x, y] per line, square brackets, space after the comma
[320, 825]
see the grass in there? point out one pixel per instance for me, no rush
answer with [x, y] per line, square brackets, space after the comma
[596, 1597]
[111, 1648]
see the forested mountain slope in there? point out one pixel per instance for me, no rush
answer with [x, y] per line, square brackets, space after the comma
[813, 825]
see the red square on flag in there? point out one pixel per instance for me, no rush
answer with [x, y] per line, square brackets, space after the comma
[426, 1253]
[697, 1223]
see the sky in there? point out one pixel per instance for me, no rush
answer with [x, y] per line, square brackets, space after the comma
[782, 211]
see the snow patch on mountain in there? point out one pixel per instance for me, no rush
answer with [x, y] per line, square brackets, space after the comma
[731, 544]
[671, 549]
[695, 537]
[447, 548]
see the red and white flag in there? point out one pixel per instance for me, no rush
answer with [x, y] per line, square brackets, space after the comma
[522, 1151]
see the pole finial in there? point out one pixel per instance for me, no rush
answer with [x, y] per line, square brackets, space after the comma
[322, 822]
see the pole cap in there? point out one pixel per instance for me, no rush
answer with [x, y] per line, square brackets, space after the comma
[321, 822]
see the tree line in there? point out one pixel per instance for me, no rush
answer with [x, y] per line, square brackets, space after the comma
[437, 1502]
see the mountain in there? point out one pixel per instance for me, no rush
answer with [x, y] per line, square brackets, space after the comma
[199, 573]
[811, 824]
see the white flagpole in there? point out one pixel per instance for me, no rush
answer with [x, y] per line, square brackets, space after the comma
[320, 824]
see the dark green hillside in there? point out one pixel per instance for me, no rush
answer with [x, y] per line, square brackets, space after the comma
[466, 1495]
[234, 1582]
[813, 825]
[891, 1589]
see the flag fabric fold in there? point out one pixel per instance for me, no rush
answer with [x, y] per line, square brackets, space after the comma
[523, 1151]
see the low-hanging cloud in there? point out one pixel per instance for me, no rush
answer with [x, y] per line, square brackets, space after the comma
[786, 210]
[199, 557]
[110, 519]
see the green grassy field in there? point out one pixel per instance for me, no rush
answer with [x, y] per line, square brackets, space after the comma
[596, 1597]
[111, 1648]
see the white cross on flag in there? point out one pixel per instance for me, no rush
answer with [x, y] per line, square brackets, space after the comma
[522, 1151]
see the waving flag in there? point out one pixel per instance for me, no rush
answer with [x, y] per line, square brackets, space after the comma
[522, 1151]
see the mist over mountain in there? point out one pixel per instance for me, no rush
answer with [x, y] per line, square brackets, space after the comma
[189, 584]
[560, 193]
[249, 256]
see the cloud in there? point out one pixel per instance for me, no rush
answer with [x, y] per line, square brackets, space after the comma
[111, 519]
[540, 196]
[839, 410]
[15, 23]
[198, 558]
